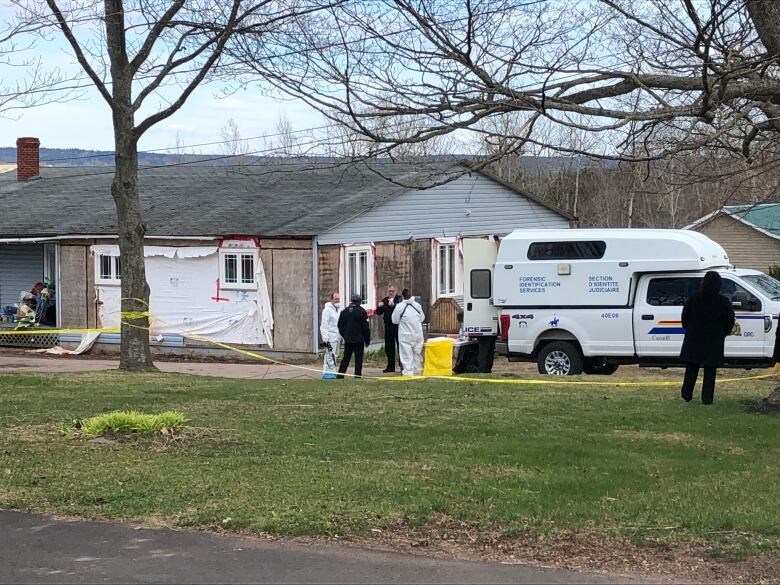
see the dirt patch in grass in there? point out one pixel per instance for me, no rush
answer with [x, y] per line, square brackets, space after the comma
[680, 438]
[767, 405]
[691, 561]
[32, 433]
[154, 441]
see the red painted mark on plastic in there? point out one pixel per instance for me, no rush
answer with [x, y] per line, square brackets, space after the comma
[218, 298]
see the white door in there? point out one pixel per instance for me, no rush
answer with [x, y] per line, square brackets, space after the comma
[480, 317]
[747, 337]
[657, 314]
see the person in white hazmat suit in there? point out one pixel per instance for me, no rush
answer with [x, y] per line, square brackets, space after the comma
[329, 330]
[409, 317]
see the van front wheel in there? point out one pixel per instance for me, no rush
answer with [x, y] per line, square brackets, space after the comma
[560, 358]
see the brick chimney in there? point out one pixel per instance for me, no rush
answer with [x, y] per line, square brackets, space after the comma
[28, 160]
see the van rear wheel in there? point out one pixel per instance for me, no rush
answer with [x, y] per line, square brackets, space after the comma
[560, 358]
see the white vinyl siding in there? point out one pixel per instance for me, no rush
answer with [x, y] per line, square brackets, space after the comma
[470, 206]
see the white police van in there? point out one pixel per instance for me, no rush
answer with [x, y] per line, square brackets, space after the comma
[589, 300]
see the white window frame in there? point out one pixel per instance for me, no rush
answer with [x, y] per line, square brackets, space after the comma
[115, 276]
[240, 283]
[370, 298]
[455, 287]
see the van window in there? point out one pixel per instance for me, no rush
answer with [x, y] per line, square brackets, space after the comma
[747, 301]
[766, 284]
[480, 283]
[566, 250]
[671, 292]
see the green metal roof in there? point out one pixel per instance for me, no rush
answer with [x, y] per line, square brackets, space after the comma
[764, 216]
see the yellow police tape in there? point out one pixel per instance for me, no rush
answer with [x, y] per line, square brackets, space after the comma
[559, 382]
[136, 315]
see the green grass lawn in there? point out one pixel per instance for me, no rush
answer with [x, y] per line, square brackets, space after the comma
[313, 457]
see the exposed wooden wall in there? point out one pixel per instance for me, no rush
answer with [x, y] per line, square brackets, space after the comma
[74, 292]
[407, 264]
[421, 273]
[288, 272]
[328, 261]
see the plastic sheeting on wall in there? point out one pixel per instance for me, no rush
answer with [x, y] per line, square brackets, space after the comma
[185, 297]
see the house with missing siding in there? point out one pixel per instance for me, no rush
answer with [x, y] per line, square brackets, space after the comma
[749, 233]
[248, 255]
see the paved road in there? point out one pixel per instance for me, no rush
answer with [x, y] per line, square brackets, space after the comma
[38, 549]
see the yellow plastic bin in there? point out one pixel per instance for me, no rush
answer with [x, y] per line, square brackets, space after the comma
[438, 357]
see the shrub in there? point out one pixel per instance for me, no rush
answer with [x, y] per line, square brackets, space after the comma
[120, 422]
[774, 271]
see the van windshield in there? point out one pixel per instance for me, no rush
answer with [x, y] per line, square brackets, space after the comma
[766, 284]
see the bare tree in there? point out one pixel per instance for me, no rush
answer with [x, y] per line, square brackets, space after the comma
[24, 80]
[146, 58]
[651, 70]
[233, 145]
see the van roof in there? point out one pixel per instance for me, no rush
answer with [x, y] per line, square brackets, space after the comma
[665, 249]
[564, 235]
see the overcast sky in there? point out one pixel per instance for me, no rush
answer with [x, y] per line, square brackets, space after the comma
[86, 122]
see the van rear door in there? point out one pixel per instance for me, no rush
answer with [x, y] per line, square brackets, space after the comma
[480, 317]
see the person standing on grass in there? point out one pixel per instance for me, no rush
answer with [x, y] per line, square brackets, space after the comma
[353, 327]
[408, 315]
[329, 330]
[707, 318]
[385, 308]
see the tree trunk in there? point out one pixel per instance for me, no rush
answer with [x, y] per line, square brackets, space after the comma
[765, 15]
[135, 353]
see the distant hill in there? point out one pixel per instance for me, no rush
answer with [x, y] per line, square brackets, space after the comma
[76, 157]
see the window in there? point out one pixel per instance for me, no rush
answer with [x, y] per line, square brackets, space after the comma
[109, 269]
[671, 292]
[740, 298]
[480, 284]
[566, 250]
[446, 269]
[766, 284]
[237, 268]
[357, 273]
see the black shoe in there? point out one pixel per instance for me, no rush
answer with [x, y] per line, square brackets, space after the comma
[387, 371]
[685, 396]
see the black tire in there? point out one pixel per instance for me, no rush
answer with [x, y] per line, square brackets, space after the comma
[600, 369]
[560, 358]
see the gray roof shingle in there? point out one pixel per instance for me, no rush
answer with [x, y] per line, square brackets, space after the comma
[270, 200]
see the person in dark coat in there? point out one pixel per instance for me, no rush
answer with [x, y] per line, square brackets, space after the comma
[353, 327]
[708, 318]
[385, 308]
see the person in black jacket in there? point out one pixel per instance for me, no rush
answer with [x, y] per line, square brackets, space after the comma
[353, 327]
[385, 308]
[708, 318]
